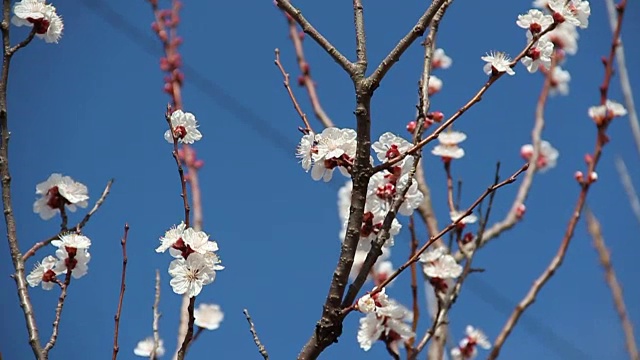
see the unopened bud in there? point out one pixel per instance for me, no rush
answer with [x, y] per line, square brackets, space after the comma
[579, 176]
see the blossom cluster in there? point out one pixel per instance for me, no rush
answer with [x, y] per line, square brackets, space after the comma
[468, 347]
[196, 261]
[59, 193]
[72, 255]
[385, 320]
[41, 16]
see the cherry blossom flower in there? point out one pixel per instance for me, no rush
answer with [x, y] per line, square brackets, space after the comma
[47, 22]
[564, 37]
[184, 127]
[547, 158]
[208, 316]
[145, 347]
[190, 275]
[539, 54]
[58, 192]
[72, 240]
[334, 148]
[497, 62]
[439, 264]
[390, 146]
[440, 60]
[76, 260]
[559, 81]
[575, 12]
[387, 323]
[448, 148]
[606, 112]
[369, 303]
[43, 272]
[382, 190]
[467, 348]
[305, 150]
[173, 237]
[469, 219]
[535, 21]
[435, 85]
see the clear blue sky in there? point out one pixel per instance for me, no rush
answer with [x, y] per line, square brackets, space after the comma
[92, 107]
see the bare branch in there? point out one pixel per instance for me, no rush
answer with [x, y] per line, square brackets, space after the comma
[56, 322]
[305, 69]
[5, 175]
[393, 56]
[612, 281]
[361, 37]
[123, 243]
[306, 26]
[287, 86]
[261, 349]
[156, 318]
[628, 186]
[183, 182]
[187, 339]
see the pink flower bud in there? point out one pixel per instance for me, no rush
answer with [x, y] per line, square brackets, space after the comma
[520, 210]
[588, 159]
[593, 177]
[198, 163]
[579, 176]
[411, 126]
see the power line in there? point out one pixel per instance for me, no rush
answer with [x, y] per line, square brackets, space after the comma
[545, 334]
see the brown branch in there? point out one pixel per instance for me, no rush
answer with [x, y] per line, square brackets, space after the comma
[632, 195]
[5, 175]
[418, 30]
[123, 243]
[56, 322]
[361, 38]
[156, 317]
[261, 349]
[306, 79]
[183, 181]
[585, 185]
[187, 339]
[306, 26]
[287, 86]
[414, 281]
[593, 225]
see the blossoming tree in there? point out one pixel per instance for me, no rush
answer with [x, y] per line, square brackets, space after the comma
[384, 191]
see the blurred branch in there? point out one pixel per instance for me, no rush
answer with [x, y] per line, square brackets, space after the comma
[261, 349]
[123, 243]
[610, 278]
[156, 318]
[305, 78]
[628, 186]
[623, 74]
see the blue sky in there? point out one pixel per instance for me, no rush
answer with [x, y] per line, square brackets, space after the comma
[92, 107]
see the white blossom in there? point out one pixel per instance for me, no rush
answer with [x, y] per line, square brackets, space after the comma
[469, 219]
[559, 81]
[438, 264]
[59, 191]
[539, 54]
[575, 12]
[497, 62]
[190, 275]
[47, 22]
[208, 316]
[145, 347]
[184, 127]
[75, 260]
[440, 60]
[333, 147]
[535, 21]
[72, 240]
[547, 158]
[607, 111]
[305, 150]
[448, 147]
[43, 272]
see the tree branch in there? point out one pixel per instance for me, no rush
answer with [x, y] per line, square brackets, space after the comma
[261, 349]
[306, 26]
[123, 243]
[593, 225]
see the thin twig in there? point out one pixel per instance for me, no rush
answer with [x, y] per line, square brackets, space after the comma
[306, 26]
[183, 181]
[414, 281]
[593, 225]
[623, 74]
[287, 86]
[56, 322]
[123, 243]
[306, 79]
[187, 339]
[156, 317]
[5, 175]
[585, 185]
[37, 246]
[628, 186]
[261, 349]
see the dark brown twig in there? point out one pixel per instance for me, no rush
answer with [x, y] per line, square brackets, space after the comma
[261, 349]
[183, 181]
[287, 86]
[56, 322]
[593, 225]
[187, 339]
[123, 243]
